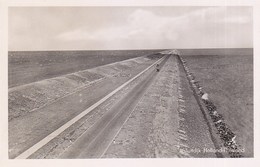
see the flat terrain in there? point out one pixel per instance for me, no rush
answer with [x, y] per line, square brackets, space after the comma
[227, 76]
[156, 115]
[30, 66]
[166, 123]
[30, 127]
[93, 143]
[30, 97]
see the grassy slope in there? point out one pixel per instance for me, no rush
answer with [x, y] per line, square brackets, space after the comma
[227, 75]
[30, 66]
[27, 98]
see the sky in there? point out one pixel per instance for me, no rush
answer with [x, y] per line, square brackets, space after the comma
[108, 28]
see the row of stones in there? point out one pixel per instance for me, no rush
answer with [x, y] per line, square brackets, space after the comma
[225, 133]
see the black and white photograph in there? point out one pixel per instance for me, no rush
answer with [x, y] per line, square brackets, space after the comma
[116, 82]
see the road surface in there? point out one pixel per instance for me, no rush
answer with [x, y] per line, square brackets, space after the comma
[136, 115]
[26, 131]
[93, 143]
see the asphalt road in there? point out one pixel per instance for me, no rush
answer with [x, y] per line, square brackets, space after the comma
[97, 137]
[94, 142]
[26, 131]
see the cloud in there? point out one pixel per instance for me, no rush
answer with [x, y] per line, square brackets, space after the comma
[142, 27]
[137, 28]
